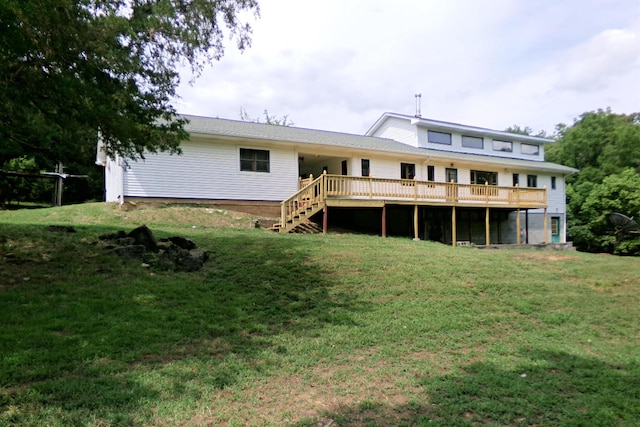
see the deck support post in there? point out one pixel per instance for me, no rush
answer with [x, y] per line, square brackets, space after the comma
[325, 219]
[487, 227]
[526, 226]
[416, 235]
[518, 240]
[454, 243]
[545, 226]
[384, 220]
[425, 224]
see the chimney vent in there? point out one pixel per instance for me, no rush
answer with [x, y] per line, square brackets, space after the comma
[418, 106]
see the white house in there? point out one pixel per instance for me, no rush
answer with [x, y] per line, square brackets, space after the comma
[407, 176]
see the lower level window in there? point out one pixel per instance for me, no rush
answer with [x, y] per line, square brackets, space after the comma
[483, 177]
[365, 167]
[254, 160]
[451, 174]
[407, 170]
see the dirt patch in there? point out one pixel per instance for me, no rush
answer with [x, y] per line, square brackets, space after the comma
[366, 391]
[547, 256]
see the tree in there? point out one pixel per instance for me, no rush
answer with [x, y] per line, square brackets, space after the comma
[71, 68]
[599, 140]
[605, 147]
[617, 193]
[23, 188]
[526, 130]
[268, 119]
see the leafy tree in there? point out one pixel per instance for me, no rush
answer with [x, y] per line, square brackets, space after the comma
[526, 130]
[24, 188]
[71, 68]
[617, 193]
[605, 147]
[268, 119]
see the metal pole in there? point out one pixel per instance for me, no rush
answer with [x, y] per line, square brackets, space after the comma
[59, 185]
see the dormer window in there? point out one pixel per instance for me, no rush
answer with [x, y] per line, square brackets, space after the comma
[472, 142]
[506, 146]
[530, 149]
[439, 137]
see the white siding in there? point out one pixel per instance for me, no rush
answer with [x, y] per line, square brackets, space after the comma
[398, 129]
[334, 166]
[354, 166]
[209, 170]
[555, 198]
[385, 168]
[113, 180]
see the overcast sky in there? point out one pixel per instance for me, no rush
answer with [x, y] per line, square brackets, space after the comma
[339, 64]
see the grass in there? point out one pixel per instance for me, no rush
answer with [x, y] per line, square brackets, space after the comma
[298, 330]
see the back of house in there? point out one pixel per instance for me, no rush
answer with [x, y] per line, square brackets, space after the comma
[407, 176]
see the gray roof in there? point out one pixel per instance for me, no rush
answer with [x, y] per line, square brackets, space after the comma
[260, 131]
[313, 137]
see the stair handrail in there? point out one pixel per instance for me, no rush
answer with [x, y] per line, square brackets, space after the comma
[310, 194]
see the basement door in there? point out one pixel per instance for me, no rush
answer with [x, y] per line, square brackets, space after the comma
[555, 229]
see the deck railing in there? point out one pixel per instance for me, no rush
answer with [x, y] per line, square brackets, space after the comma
[316, 191]
[311, 194]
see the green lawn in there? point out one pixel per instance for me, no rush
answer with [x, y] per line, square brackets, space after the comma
[299, 329]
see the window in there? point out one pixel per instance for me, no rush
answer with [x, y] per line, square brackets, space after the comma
[472, 142]
[451, 174]
[482, 177]
[365, 167]
[407, 170]
[555, 225]
[532, 180]
[344, 167]
[553, 182]
[431, 172]
[530, 149]
[516, 179]
[254, 160]
[439, 137]
[506, 146]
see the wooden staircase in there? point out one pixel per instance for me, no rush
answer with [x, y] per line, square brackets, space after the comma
[297, 210]
[300, 222]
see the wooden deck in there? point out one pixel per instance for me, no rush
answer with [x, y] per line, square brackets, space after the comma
[354, 191]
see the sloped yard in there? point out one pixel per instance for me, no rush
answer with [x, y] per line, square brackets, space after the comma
[307, 330]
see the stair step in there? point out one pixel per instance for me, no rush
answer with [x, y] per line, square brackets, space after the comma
[307, 227]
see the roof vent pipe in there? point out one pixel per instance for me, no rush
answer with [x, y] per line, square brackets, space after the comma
[418, 102]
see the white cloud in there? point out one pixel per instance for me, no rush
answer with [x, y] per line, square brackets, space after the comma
[590, 66]
[338, 65]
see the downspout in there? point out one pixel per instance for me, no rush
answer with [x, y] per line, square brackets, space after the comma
[121, 167]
